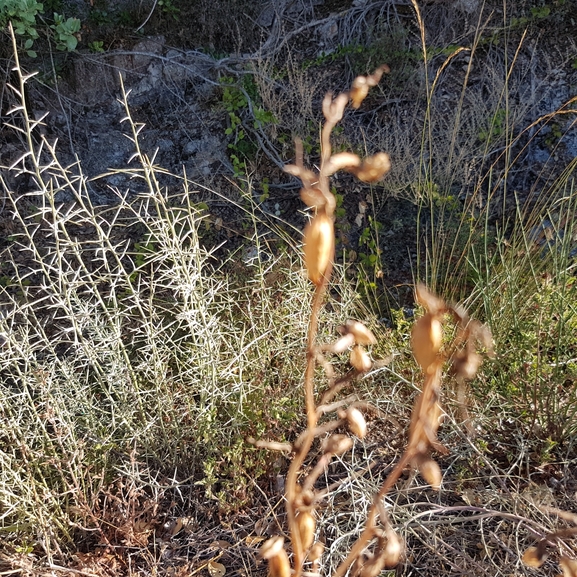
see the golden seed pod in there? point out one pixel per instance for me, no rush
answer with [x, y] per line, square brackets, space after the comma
[278, 561]
[359, 91]
[426, 340]
[431, 472]
[363, 336]
[569, 566]
[466, 364]
[360, 359]
[432, 304]
[393, 550]
[319, 238]
[306, 525]
[361, 85]
[272, 547]
[313, 197]
[280, 566]
[356, 422]
[337, 444]
[533, 557]
[343, 343]
[373, 566]
[373, 168]
[316, 551]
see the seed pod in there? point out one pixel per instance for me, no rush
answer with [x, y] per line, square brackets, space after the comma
[466, 363]
[359, 91]
[316, 551]
[569, 566]
[373, 168]
[361, 85]
[343, 343]
[337, 444]
[431, 473]
[278, 562]
[363, 336]
[319, 238]
[333, 110]
[272, 547]
[426, 340]
[279, 566]
[356, 422]
[313, 197]
[432, 304]
[393, 549]
[533, 557]
[360, 359]
[373, 566]
[306, 524]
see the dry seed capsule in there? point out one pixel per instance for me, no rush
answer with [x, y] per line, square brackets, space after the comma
[569, 566]
[316, 551]
[278, 562]
[363, 336]
[307, 525]
[359, 91]
[426, 340]
[360, 359]
[356, 421]
[343, 343]
[533, 557]
[319, 238]
[313, 197]
[466, 364]
[393, 549]
[431, 473]
[337, 444]
[373, 167]
[374, 566]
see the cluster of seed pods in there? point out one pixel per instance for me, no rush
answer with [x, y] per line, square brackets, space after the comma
[319, 234]
[379, 546]
[427, 342]
[354, 336]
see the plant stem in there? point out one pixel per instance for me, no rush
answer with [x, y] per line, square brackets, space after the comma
[291, 480]
[368, 531]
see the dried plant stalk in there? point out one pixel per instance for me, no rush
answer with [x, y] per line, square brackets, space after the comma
[430, 352]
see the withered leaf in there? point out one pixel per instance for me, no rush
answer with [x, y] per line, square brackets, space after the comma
[216, 569]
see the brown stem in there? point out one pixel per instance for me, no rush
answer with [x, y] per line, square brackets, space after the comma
[318, 431]
[368, 531]
[307, 440]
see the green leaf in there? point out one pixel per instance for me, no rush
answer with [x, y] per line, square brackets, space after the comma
[71, 43]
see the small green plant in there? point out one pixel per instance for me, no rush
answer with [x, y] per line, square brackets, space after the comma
[96, 46]
[239, 100]
[65, 32]
[496, 127]
[22, 14]
[168, 7]
[265, 186]
[369, 250]
[554, 136]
